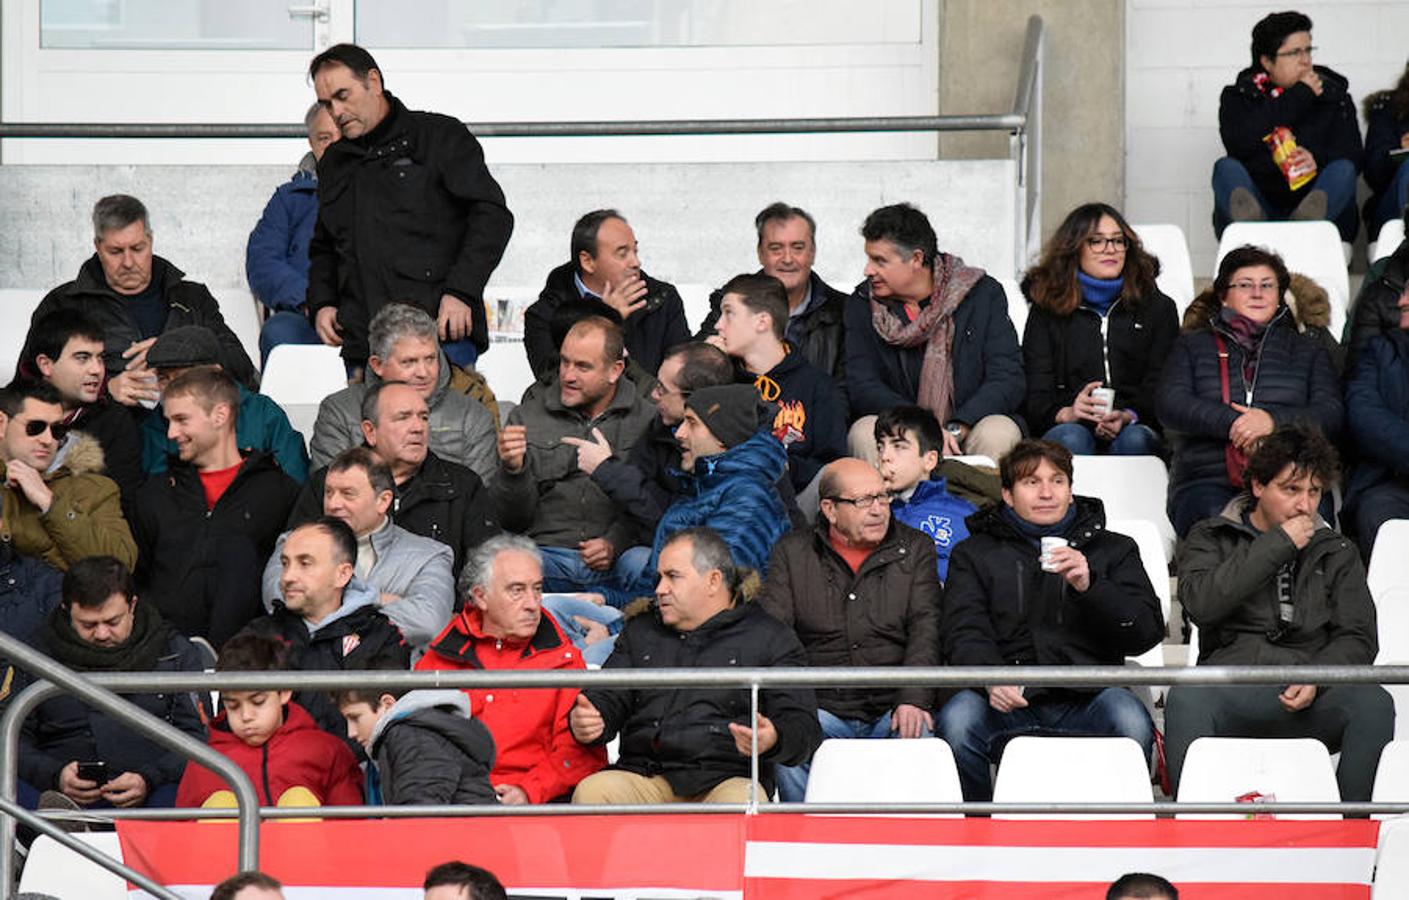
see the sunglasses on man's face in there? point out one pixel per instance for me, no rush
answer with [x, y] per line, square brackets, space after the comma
[36, 427]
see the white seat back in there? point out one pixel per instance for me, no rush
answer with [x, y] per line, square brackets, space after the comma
[240, 311]
[921, 770]
[1389, 558]
[1176, 270]
[1391, 236]
[53, 869]
[1392, 619]
[695, 297]
[1311, 248]
[1131, 487]
[975, 459]
[1392, 860]
[1219, 770]
[1017, 305]
[298, 377]
[1392, 776]
[1071, 770]
[1147, 538]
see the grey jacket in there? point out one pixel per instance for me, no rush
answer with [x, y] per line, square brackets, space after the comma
[415, 568]
[462, 430]
[1228, 583]
[553, 501]
[428, 750]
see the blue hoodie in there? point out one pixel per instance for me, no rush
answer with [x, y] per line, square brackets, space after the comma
[939, 514]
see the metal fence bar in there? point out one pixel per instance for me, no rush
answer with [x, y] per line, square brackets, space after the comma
[1025, 144]
[98, 857]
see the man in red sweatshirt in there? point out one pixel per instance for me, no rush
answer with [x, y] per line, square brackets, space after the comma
[503, 627]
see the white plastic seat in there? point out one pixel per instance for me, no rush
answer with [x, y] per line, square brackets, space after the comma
[1017, 305]
[1219, 770]
[1072, 770]
[1147, 538]
[242, 315]
[1176, 270]
[1392, 619]
[695, 298]
[1392, 776]
[918, 770]
[54, 870]
[1311, 248]
[298, 377]
[1392, 860]
[1391, 236]
[1131, 487]
[1389, 561]
[975, 459]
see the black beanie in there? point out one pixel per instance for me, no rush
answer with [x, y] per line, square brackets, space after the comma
[729, 411]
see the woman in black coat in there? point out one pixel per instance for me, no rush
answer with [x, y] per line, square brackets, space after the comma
[1097, 321]
[1276, 373]
[1386, 132]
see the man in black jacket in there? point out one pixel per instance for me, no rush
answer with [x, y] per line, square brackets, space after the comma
[1040, 582]
[435, 498]
[87, 757]
[694, 745]
[205, 527]
[136, 296]
[606, 272]
[407, 212]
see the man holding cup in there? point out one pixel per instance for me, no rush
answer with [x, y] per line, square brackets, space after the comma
[1041, 582]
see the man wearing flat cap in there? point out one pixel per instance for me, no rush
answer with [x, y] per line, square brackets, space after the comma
[260, 425]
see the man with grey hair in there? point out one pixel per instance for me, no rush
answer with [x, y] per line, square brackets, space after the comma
[405, 347]
[136, 296]
[502, 626]
[276, 255]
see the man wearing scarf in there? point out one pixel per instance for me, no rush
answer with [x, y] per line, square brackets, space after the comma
[924, 328]
[1007, 603]
[102, 627]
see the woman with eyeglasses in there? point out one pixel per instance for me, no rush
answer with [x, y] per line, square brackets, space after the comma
[1098, 324]
[1283, 89]
[1242, 366]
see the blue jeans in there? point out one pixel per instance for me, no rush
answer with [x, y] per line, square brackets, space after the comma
[1336, 178]
[792, 780]
[977, 733]
[285, 327]
[1376, 506]
[563, 607]
[564, 572]
[163, 796]
[1081, 440]
[1392, 202]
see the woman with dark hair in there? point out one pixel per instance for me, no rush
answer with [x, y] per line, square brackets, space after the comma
[1098, 324]
[1242, 366]
[1387, 131]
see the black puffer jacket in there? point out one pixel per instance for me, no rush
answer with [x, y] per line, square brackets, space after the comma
[1325, 125]
[406, 213]
[1294, 382]
[822, 328]
[1000, 608]
[885, 614]
[1062, 354]
[1376, 309]
[29, 592]
[188, 303]
[443, 501]
[428, 750]
[648, 333]
[683, 733]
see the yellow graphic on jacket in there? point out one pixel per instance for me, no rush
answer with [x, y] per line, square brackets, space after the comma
[789, 423]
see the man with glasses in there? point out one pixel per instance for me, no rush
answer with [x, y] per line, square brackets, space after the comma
[859, 589]
[1312, 104]
[55, 504]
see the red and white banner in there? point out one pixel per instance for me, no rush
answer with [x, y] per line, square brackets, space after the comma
[776, 857]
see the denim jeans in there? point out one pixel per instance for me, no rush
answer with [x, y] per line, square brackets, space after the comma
[792, 780]
[1392, 202]
[161, 797]
[285, 327]
[1198, 502]
[564, 572]
[1336, 178]
[1081, 440]
[563, 607]
[977, 733]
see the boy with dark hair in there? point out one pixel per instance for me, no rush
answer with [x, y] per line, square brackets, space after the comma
[1141, 886]
[291, 761]
[248, 886]
[461, 881]
[423, 746]
[910, 453]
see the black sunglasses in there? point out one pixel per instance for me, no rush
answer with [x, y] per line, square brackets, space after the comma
[35, 427]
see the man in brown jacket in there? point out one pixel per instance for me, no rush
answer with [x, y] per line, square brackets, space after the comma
[860, 589]
[54, 504]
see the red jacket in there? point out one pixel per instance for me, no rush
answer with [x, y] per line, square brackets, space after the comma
[300, 754]
[535, 749]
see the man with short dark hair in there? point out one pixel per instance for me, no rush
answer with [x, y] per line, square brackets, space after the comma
[606, 272]
[925, 328]
[248, 886]
[1268, 582]
[688, 744]
[79, 752]
[329, 617]
[1040, 581]
[136, 296]
[462, 881]
[1141, 886]
[407, 212]
[205, 528]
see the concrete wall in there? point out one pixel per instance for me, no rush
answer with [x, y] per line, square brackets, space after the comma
[1180, 54]
[1083, 148]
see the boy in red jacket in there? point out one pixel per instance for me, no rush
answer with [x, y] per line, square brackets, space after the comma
[291, 761]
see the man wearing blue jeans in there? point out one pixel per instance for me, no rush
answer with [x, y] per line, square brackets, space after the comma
[1010, 601]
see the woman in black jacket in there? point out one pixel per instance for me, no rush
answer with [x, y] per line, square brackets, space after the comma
[1242, 367]
[1097, 321]
[1386, 131]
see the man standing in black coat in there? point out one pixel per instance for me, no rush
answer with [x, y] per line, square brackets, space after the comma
[407, 212]
[694, 744]
[1040, 582]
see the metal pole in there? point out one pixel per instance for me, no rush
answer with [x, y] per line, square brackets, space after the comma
[753, 748]
[92, 854]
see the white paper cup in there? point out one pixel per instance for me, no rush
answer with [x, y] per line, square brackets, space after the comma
[1048, 545]
[1105, 399]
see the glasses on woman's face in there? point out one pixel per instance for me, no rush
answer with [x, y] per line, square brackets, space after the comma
[1298, 52]
[1254, 287]
[1100, 244]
